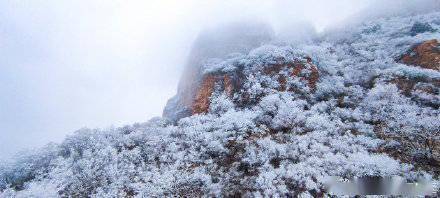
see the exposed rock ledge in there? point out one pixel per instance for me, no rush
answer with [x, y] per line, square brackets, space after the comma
[231, 83]
[425, 55]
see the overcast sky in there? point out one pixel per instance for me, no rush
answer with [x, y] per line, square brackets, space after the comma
[65, 64]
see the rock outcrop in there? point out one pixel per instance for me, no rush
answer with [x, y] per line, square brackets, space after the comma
[425, 55]
[215, 43]
[204, 92]
[230, 83]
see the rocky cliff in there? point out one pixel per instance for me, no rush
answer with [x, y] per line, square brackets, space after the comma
[214, 43]
[269, 119]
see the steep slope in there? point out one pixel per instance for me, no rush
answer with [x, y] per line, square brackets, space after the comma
[215, 43]
[277, 120]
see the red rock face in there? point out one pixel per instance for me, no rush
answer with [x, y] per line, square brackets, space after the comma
[230, 83]
[425, 55]
[202, 100]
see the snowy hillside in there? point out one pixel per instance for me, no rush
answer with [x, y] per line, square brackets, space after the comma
[277, 120]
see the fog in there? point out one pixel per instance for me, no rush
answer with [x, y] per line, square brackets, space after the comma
[65, 65]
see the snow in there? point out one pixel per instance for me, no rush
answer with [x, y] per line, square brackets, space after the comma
[275, 143]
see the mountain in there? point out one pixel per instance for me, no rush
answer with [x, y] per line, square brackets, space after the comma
[213, 44]
[262, 118]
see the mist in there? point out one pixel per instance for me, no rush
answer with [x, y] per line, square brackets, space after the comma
[66, 65]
